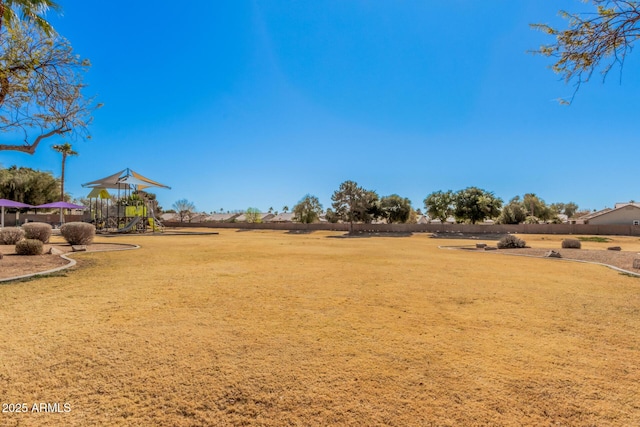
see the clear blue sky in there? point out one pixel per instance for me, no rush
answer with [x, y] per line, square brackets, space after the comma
[238, 104]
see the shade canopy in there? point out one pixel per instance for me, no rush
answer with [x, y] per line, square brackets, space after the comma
[98, 193]
[5, 203]
[125, 179]
[60, 205]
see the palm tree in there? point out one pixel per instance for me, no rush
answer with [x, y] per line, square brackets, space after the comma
[66, 150]
[30, 11]
[285, 208]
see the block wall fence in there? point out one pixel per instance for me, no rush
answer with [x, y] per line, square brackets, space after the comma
[581, 229]
[589, 229]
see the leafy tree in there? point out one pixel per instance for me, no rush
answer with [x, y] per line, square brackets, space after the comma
[593, 41]
[66, 150]
[185, 209]
[308, 210]
[395, 208]
[568, 209]
[29, 11]
[536, 207]
[40, 88]
[331, 216]
[28, 186]
[512, 213]
[253, 215]
[370, 210]
[350, 203]
[439, 205]
[474, 204]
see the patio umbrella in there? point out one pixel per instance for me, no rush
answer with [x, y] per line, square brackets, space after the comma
[4, 203]
[61, 205]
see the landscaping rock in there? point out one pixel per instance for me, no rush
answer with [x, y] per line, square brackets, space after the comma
[79, 248]
[553, 254]
[614, 248]
[481, 245]
[54, 251]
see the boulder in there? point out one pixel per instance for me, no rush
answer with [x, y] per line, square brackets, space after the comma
[79, 248]
[481, 245]
[553, 254]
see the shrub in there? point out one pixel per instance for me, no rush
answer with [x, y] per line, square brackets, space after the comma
[11, 235]
[78, 233]
[37, 230]
[29, 247]
[510, 241]
[571, 244]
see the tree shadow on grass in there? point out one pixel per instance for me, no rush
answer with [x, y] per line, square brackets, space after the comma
[367, 235]
[299, 232]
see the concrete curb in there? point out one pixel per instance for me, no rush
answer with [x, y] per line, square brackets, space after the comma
[613, 267]
[71, 263]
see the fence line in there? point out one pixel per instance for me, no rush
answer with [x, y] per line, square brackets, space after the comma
[590, 229]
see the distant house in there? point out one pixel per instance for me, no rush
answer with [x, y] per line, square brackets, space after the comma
[222, 217]
[264, 217]
[422, 219]
[282, 217]
[621, 214]
[169, 217]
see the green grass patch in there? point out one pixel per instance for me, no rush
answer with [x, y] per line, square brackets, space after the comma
[594, 239]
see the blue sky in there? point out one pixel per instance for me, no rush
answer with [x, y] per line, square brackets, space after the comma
[238, 104]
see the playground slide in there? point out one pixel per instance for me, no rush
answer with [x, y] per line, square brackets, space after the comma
[129, 226]
[155, 223]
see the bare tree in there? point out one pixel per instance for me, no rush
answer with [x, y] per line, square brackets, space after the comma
[184, 209]
[593, 41]
[40, 88]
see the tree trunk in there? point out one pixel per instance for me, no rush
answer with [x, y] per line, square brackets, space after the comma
[64, 158]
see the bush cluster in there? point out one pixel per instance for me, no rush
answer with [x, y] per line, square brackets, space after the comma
[571, 244]
[11, 235]
[37, 230]
[510, 241]
[78, 233]
[29, 247]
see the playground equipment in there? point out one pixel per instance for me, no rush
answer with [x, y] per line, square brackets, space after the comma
[133, 209]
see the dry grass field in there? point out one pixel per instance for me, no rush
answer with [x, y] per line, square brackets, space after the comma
[266, 328]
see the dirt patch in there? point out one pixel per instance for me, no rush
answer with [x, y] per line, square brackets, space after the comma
[12, 265]
[619, 259]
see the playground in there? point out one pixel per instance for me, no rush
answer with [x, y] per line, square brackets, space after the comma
[272, 328]
[134, 209]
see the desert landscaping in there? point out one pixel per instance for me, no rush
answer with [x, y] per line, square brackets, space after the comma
[274, 328]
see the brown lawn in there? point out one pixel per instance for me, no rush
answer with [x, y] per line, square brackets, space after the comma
[270, 328]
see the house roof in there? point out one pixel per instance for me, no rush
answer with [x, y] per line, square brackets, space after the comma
[595, 214]
[282, 217]
[605, 211]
